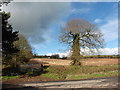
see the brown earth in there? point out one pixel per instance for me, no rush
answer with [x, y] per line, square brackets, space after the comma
[93, 61]
[26, 80]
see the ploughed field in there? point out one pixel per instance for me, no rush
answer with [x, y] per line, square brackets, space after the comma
[89, 61]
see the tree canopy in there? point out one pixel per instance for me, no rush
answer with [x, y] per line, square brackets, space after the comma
[25, 51]
[79, 34]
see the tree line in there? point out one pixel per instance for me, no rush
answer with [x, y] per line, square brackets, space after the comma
[54, 56]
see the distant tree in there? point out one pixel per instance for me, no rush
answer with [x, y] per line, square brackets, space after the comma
[81, 34]
[25, 51]
[55, 56]
[8, 38]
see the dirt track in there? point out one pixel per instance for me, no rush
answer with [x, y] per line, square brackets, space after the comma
[94, 83]
[94, 61]
[111, 82]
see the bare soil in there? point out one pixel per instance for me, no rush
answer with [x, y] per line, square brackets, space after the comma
[93, 61]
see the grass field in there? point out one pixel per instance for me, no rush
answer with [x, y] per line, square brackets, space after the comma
[62, 70]
[87, 61]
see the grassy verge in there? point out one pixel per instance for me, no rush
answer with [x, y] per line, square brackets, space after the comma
[81, 72]
[94, 75]
[9, 77]
[51, 75]
[76, 72]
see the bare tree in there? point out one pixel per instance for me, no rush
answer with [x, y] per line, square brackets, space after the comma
[81, 34]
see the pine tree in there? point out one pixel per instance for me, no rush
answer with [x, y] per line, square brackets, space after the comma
[8, 38]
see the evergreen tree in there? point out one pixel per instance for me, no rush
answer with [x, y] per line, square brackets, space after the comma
[8, 38]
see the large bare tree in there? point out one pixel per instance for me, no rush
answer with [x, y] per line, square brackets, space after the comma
[79, 34]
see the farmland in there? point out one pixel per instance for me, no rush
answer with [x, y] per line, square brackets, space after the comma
[89, 61]
[58, 69]
[90, 68]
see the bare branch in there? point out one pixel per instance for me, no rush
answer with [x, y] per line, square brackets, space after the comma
[88, 35]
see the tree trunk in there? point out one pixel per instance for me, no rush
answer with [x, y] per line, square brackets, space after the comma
[76, 50]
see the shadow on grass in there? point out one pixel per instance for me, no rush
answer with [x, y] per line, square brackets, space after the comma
[9, 71]
[43, 71]
[18, 87]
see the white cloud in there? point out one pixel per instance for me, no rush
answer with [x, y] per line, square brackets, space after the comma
[80, 11]
[110, 30]
[97, 20]
[103, 51]
[60, 54]
[109, 51]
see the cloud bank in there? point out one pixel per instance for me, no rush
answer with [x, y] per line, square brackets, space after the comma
[33, 19]
[103, 51]
[110, 30]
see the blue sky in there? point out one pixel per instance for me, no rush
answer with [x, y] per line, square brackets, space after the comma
[41, 22]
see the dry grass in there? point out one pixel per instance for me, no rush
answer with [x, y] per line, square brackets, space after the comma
[94, 61]
[98, 62]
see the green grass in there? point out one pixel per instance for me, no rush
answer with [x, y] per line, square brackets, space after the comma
[80, 72]
[9, 77]
[52, 75]
[94, 75]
